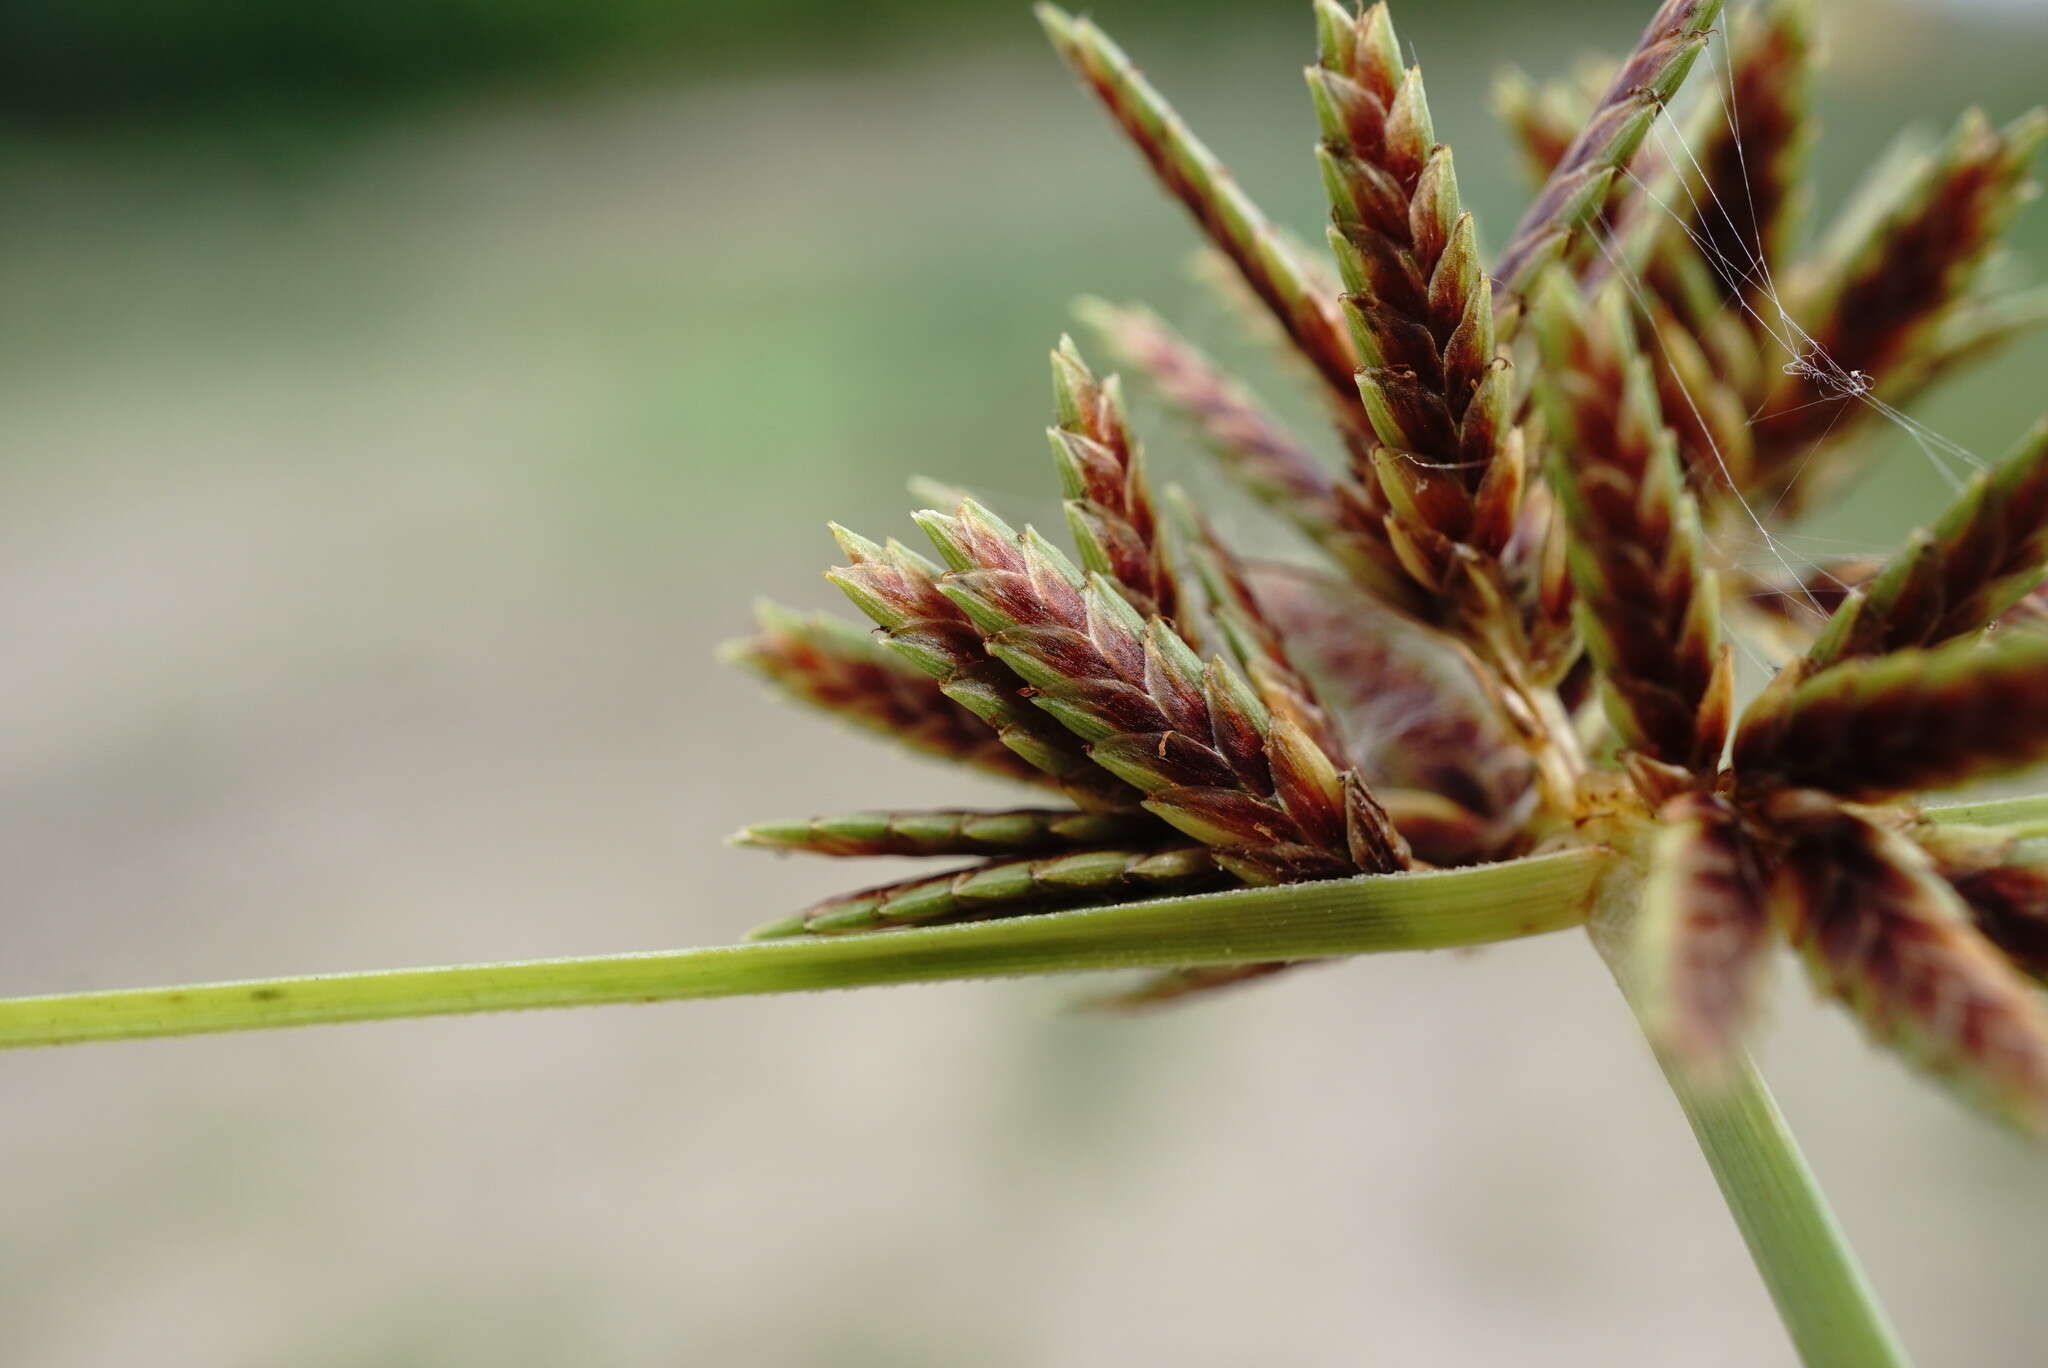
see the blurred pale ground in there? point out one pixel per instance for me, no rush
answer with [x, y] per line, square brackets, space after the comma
[370, 513]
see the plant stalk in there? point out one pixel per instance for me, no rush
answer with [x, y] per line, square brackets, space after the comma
[1288, 922]
[1826, 1303]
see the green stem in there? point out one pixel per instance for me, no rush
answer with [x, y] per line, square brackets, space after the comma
[1828, 1307]
[1301, 921]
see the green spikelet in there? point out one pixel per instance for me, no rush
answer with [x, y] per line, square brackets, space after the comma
[1957, 578]
[952, 831]
[1881, 930]
[846, 672]
[1648, 606]
[1010, 888]
[1584, 176]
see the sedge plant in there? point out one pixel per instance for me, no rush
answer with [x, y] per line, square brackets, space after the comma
[1498, 696]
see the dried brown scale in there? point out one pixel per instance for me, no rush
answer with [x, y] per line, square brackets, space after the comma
[1865, 312]
[1882, 931]
[1981, 558]
[1878, 726]
[900, 591]
[1648, 603]
[846, 672]
[1584, 175]
[1702, 939]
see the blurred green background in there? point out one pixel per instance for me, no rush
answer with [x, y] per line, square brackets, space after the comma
[403, 399]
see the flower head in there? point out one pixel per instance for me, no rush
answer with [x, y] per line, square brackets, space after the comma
[1524, 630]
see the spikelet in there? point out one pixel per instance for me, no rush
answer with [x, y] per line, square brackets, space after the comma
[1196, 740]
[1109, 507]
[2008, 902]
[844, 671]
[1194, 176]
[951, 831]
[1584, 177]
[899, 590]
[1880, 930]
[1010, 888]
[1448, 458]
[1250, 444]
[1416, 714]
[1959, 577]
[1743, 199]
[1701, 944]
[1878, 293]
[1876, 726]
[1648, 604]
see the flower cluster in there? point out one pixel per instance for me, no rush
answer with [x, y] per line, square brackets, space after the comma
[1521, 634]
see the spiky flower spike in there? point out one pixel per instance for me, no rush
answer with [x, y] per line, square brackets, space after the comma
[1520, 645]
[1291, 733]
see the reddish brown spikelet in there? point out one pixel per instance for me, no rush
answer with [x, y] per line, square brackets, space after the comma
[1254, 641]
[1648, 605]
[1011, 888]
[1882, 931]
[1109, 507]
[1448, 458]
[1415, 714]
[2009, 903]
[953, 831]
[1877, 726]
[899, 590]
[1585, 174]
[1876, 298]
[1210, 757]
[1957, 578]
[846, 672]
[1702, 938]
[1194, 176]
[1742, 199]
[1248, 441]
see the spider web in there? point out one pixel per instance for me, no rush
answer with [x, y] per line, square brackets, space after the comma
[1754, 288]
